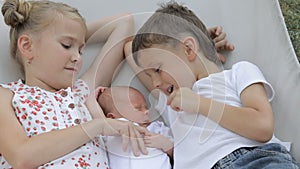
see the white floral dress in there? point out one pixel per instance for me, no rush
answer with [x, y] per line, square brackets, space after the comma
[40, 111]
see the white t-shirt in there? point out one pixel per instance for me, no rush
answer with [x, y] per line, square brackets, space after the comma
[156, 158]
[200, 142]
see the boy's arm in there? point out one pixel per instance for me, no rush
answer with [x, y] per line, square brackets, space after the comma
[254, 120]
[115, 31]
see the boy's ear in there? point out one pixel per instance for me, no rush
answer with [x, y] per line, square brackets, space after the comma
[190, 48]
[25, 46]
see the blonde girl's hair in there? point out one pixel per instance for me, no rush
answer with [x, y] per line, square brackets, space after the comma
[33, 17]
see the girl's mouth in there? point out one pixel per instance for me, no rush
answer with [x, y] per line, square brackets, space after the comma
[71, 69]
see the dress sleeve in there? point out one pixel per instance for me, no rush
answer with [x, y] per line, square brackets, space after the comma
[81, 89]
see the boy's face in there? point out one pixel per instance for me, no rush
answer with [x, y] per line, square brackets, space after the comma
[167, 67]
[132, 106]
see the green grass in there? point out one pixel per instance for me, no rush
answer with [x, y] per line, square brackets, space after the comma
[291, 12]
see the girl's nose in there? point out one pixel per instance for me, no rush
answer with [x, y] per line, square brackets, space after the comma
[76, 57]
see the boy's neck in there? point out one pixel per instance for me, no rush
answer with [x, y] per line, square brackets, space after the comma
[206, 67]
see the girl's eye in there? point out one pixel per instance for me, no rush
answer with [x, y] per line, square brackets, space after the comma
[157, 70]
[65, 46]
[80, 52]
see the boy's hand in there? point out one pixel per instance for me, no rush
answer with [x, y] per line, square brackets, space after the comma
[184, 99]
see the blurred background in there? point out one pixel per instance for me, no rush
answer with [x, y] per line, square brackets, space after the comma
[291, 13]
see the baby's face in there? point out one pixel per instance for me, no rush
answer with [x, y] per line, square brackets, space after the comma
[133, 107]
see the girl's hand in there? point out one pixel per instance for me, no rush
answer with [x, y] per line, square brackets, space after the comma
[221, 43]
[184, 99]
[131, 134]
[159, 141]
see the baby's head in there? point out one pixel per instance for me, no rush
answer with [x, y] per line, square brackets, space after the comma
[32, 18]
[124, 102]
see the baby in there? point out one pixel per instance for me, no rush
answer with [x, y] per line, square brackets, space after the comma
[127, 103]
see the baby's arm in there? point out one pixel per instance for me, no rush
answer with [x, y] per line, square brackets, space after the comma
[159, 141]
[92, 103]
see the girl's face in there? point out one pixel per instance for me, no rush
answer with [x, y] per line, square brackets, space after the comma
[167, 67]
[57, 55]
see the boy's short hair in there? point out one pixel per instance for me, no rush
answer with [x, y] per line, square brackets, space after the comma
[168, 25]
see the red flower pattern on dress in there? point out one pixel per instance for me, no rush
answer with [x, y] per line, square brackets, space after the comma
[40, 111]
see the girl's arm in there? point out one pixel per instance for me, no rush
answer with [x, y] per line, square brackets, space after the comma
[30, 152]
[136, 69]
[115, 31]
[254, 120]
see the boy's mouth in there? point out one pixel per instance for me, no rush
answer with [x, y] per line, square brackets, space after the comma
[170, 89]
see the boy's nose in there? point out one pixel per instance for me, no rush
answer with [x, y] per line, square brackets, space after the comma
[146, 112]
[156, 81]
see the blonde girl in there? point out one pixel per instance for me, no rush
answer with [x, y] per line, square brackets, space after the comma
[43, 119]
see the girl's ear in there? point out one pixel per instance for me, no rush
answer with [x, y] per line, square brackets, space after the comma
[111, 115]
[190, 48]
[25, 47]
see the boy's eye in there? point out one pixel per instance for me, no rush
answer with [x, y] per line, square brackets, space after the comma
[66, 46]
[157, 70]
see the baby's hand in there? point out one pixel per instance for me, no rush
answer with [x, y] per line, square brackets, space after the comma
[99, 90]
[184, 99]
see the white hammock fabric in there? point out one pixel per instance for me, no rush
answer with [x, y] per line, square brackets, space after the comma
[255, 27]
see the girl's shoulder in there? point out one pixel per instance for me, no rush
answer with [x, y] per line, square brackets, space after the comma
[81, 88]
[10, 87]
[6, 95]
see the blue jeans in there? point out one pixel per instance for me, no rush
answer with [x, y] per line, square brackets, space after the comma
[268, 156]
